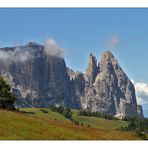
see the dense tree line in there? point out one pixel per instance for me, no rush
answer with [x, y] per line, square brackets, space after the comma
[96, 114]
[7, 98]
[137, 124]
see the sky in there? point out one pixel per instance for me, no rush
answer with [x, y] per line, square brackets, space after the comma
[83, 31]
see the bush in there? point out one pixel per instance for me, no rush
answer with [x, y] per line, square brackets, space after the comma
[141, 134]
[66, 112]
[44, 110]
[81, 124]
[88, 125]
[76, 122]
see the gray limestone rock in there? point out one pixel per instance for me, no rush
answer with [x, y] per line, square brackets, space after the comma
[112, 92]
[40, 80]
[91, 71]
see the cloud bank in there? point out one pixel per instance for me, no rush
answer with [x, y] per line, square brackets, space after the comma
[20, 54]
[16, 55]
[53, 49]
[141, 92]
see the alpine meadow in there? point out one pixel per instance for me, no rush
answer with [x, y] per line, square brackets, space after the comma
[73, 74]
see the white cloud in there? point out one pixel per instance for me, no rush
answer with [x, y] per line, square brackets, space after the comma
[22, 55]
[16, 55]
[113, 42]
[132, 81]
[52, 48]
[141, 92]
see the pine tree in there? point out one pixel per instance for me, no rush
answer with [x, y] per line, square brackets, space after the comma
[7, 98]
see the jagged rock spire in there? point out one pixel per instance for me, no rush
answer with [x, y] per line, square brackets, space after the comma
[108, 58]
[107, 55]
[112, 91]
[91, 70]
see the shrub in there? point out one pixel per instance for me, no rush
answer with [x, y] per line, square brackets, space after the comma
[81, 124]
[76, 122]
[141, 134]
[44, 110]
[66, 112]
[88, 125]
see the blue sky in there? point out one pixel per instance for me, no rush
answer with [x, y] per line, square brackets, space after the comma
[81, 31]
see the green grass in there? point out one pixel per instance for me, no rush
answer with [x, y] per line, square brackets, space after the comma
[49, 115]
[99, 123]
[53, 126]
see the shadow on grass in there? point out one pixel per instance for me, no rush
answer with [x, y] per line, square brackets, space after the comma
[26, 112]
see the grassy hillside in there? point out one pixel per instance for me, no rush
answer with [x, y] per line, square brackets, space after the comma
[33, 124]
[49, 115]
[100, 123]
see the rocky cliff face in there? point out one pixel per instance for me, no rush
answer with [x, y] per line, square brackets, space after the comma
[112, 92]
[40, 81]
[43, 80]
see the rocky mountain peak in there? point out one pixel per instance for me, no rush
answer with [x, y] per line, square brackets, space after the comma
[31, 43]
[92, 64]
[91, 70]
[92, 60]
[112, 91]
[108, 57]
[107, 54]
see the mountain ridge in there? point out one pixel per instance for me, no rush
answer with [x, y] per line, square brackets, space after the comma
[41, 80]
